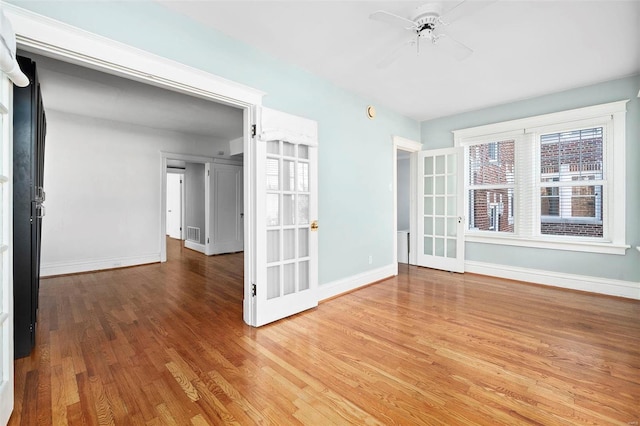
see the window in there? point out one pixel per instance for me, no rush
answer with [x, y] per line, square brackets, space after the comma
[548, 181]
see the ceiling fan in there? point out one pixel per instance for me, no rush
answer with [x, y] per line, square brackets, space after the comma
[426, 24]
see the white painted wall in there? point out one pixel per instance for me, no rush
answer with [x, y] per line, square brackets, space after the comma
[103, 185]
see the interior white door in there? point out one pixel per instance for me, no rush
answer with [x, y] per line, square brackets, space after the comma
[440, 207]
[6, 257]
[174, 205]
[227, 214]
[286, 250]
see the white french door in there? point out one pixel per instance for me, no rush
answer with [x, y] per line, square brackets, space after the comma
[6, 259]
[440, 207]
[286, 251]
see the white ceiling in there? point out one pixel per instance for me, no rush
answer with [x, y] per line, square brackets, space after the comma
[522, 48]
[77, 90]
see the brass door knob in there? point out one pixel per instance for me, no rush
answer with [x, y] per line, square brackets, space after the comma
[314, 225]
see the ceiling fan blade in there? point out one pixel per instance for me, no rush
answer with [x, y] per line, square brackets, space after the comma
[390, 18]
[395, 54]
[464, 8]
[458, 50]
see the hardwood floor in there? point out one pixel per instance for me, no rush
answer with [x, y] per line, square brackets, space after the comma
[166, 344]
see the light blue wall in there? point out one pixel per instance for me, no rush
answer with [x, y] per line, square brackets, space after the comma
[355, 153]
[437, 134]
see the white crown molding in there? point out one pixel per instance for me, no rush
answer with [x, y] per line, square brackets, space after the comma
[46, 36]
[611, 287]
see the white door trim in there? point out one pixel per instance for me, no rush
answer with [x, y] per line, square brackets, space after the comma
[413, 147]
[48, 37]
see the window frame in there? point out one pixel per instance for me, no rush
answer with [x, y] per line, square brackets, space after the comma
[526, 132]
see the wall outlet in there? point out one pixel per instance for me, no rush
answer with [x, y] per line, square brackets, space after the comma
[370, 259]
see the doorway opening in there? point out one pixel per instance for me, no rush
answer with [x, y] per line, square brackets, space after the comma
[405, 162]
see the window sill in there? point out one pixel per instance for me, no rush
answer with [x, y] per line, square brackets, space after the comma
[582, 246]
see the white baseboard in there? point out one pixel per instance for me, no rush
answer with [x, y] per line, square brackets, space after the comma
[353, 282]
[195, 246]
[607, 286]
[61, 268]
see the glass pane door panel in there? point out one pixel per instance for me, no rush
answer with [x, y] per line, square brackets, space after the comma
[273, 174]
[440, 164]
[303, 242]
[303, 152]
[273, 246]
[273, 147]
[303, 177]
[288, 211]
[303, 209]
[288, 175]
[288, 149]
[440, 206]
[289, 244]
[303, 274]
[273, 282]
[273, 209]
[428, 246]
[289, 278]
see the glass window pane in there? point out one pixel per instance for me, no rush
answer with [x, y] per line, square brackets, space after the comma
[273, 174]
[273, 209]
[289, 278]
[428, 246]
[288, 149]
[492, 163]
[303, 242]
[488, 210]
[439, 228]
[573, 155]
[288, 210]
[288, 175]
[428, 165]
[303, 177]
[273, 147]
[303, 151]
[575, 211]
[440, 164]
[303, 274]
[303, 209]
[273, 282]
[273, 246]
[288, 244]
[440, 205]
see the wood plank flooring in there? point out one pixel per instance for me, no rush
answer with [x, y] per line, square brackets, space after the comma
[165, 344]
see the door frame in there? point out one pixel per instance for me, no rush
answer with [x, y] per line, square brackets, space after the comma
[163, 200]
[413, 147]
[48, 37]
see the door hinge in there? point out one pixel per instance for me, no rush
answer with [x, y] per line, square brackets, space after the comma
[208, 171]
[253, 131]
[253, 290]
[207, 240]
